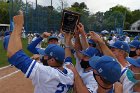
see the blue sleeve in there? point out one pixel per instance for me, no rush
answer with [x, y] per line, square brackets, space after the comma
[6, 41]
[21, 61]
[32, 46]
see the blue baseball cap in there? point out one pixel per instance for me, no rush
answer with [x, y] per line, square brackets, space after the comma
[52, 37]
[90, 52]
[135, 62]
[91, 42]
[121, 45]
[55, 51]
[135, 44]
[107, 67]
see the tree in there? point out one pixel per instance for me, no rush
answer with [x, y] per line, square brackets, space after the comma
[135, 15]
[83, 10]
[4, 13]
[121, 16]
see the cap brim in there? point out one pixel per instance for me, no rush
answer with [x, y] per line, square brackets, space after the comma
[132, 46]
[112, 46]
[53, 38]
[90, 42]
[84, 53]
[93, 60]
[133, 61]
[41, 52]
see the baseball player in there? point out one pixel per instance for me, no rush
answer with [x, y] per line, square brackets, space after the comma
[47, 79]
[121, 50]
[130, 75]
[32, 46]
[87, 82]
[106, 71]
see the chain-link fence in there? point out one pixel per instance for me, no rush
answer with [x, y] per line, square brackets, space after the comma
[40, 15]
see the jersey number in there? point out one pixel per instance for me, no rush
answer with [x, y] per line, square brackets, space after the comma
[62, 86]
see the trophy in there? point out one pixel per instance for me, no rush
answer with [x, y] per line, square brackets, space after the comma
[69, 21]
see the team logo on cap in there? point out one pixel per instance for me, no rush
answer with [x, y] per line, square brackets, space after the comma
[100, 70]
[114, 59]
[122, 46]
[51, 53]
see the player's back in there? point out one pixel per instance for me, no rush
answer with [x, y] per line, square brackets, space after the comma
[51, 80]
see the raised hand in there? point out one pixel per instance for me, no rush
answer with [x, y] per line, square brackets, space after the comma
[80, 28]
[36, 57]
[95, 37]
[72, 68]
[68, 37]
[19, 19]
[15, 43]
[45, 35]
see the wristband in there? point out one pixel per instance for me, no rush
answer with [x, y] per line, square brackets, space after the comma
[67, 47]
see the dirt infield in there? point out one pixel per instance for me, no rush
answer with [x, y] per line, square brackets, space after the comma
[14, 81]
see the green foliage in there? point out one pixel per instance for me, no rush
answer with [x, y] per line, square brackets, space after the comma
[116, 16]
[83, 10]
[47, 18]
[3, 57]
[4, 13]
[135, 15]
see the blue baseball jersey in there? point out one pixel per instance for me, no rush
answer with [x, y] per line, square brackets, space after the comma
[32, 46]
[46, 79]
[6, 41]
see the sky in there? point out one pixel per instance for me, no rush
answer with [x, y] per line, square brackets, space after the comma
[96, 5]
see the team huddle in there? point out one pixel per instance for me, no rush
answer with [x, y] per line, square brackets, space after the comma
[99, 68]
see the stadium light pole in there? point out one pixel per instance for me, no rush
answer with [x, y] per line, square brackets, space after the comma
[124, 17]
[10, 14]
[26, 17]
[51, 2]
[62, 4]
[29, 2]
[36, 4]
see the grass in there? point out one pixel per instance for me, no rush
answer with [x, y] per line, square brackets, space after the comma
[3, 57]
[3, 53]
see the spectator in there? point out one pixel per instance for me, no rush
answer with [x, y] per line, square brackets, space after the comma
[127, 38]
[30, 37]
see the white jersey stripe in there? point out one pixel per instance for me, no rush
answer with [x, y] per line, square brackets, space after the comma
[29, 68]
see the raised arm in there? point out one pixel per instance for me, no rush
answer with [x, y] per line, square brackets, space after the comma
[104, 48]
[84, 42]
[67, 45]
[79, 86]
[15, 43]
[32, 46]
[16, 56]
[77, 45]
